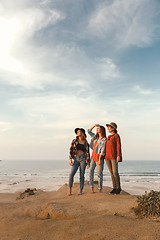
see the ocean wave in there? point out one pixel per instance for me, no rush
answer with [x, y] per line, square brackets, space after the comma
[13, 183]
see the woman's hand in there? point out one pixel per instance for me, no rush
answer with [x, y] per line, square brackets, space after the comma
[88, 166]
[95, 125]
[70, 162]
[99, 162]
[118, 159]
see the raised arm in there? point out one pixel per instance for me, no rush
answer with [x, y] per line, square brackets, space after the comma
[90, 130]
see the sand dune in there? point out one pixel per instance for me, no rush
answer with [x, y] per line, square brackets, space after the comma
[56, 216]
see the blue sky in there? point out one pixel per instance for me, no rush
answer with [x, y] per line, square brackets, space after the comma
[67, 64]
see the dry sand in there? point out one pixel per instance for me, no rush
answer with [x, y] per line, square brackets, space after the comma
[56, 216]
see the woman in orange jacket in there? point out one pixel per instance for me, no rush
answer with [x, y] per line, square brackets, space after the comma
[113, 156]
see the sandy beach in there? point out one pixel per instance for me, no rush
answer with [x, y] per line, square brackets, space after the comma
[55, 216]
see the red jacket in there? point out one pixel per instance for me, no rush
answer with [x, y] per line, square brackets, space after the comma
[113, 147]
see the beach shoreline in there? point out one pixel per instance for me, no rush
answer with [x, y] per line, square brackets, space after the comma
[136, 177]
[136, 188]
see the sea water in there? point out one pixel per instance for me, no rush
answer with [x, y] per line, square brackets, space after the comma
[136, 176]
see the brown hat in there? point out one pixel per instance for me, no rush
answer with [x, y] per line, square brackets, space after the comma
[112, 124]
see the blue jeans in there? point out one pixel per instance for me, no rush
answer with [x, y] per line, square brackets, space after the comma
[79, 162]
[99, 173]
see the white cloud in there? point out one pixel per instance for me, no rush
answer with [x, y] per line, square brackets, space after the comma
[47, 123]
[65, 67]
[107, 69]
[126, 23]
[17, 26]
[44, 109]
[5, 126]
[143, 91]
[32, 65]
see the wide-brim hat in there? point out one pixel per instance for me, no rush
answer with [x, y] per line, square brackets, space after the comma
[112, 124]
[81, 129]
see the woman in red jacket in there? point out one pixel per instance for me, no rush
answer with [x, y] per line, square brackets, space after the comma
[113, 156]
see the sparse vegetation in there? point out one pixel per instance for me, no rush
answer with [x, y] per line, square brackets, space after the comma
[149, 204]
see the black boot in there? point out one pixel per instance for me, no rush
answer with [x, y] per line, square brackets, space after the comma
[118, 191]
[113, 191]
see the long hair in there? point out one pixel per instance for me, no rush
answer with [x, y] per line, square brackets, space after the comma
[103, 132]
[96, 136]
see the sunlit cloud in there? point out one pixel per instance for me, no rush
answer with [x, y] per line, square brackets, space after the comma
[17, 26]
[33, 66]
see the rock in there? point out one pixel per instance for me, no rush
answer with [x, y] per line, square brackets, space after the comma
[28, 192]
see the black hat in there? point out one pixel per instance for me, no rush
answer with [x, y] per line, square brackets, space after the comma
[82, 130]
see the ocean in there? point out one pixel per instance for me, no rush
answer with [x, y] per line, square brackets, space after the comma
[136, 176]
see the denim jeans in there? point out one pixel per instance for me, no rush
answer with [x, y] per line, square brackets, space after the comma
[79, 162]
[112, 165]
[99, 173]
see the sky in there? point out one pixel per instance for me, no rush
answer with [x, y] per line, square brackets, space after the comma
[67, 64]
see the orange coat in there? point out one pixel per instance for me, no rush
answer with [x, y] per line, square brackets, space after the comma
[113, 147]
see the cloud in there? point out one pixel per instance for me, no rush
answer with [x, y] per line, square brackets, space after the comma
[36, 50]
[5, 126]
[60, 68]
[17, 26]
[143, 91]
[60, 112]
[27, 63]
[47, 122]
[128, 23]
[44, 109]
